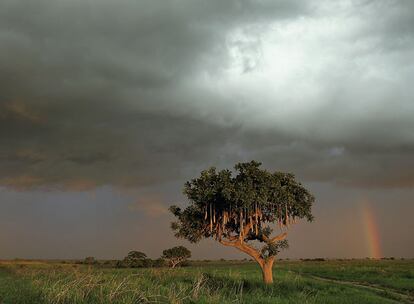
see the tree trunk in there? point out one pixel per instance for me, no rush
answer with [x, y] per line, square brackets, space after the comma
[174, 263]
[267, 270]
[266, 264]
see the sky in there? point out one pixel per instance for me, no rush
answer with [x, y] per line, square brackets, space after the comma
[108, 107]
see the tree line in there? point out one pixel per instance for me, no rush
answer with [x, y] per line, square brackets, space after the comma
[173, 257]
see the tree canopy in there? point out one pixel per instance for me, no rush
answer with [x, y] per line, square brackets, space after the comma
[136, 255]
[244, 206]
[176, 255]
[135, 259]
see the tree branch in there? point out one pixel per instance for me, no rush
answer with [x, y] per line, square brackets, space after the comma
[253, 252]
[175, 261]
[275, 239]
[229, 243]
[232, 237]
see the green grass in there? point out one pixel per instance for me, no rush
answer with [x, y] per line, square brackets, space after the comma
[218, 282]
[397, 275]
[17, 290]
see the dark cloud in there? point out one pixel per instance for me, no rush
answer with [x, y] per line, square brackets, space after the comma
[138, 93]
[79, 81]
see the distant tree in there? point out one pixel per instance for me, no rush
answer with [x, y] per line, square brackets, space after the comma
[135, 259]
[176, 255]
[121, 264]
[158, 262]
[136, 255]
[237, 210]
[90, 261]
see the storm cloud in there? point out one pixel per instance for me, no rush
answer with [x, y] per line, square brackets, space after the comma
[132, 92]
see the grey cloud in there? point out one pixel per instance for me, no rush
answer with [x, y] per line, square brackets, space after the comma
[136, 93]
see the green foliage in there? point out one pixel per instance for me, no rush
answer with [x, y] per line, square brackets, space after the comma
[136, 255]
[273, 249]
[176, 255]
[222, 203]
[134, 259]
[176, 252]
[137, 259]
[144, 263]
[158, 262]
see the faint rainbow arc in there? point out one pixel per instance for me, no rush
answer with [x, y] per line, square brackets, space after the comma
[372, 234]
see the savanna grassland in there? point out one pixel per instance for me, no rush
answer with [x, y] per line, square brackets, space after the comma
[349, 281]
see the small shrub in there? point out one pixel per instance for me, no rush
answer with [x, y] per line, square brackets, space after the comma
[90, 261]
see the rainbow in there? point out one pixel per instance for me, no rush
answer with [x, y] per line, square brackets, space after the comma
[372, 235]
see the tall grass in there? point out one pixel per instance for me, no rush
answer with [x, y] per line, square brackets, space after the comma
[73, 284]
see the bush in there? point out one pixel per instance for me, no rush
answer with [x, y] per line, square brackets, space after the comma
[158, 263]
[121, 264]
[145, 263]
[136, 259]
[90, 261]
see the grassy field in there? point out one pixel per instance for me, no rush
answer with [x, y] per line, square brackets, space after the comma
[355, 281]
